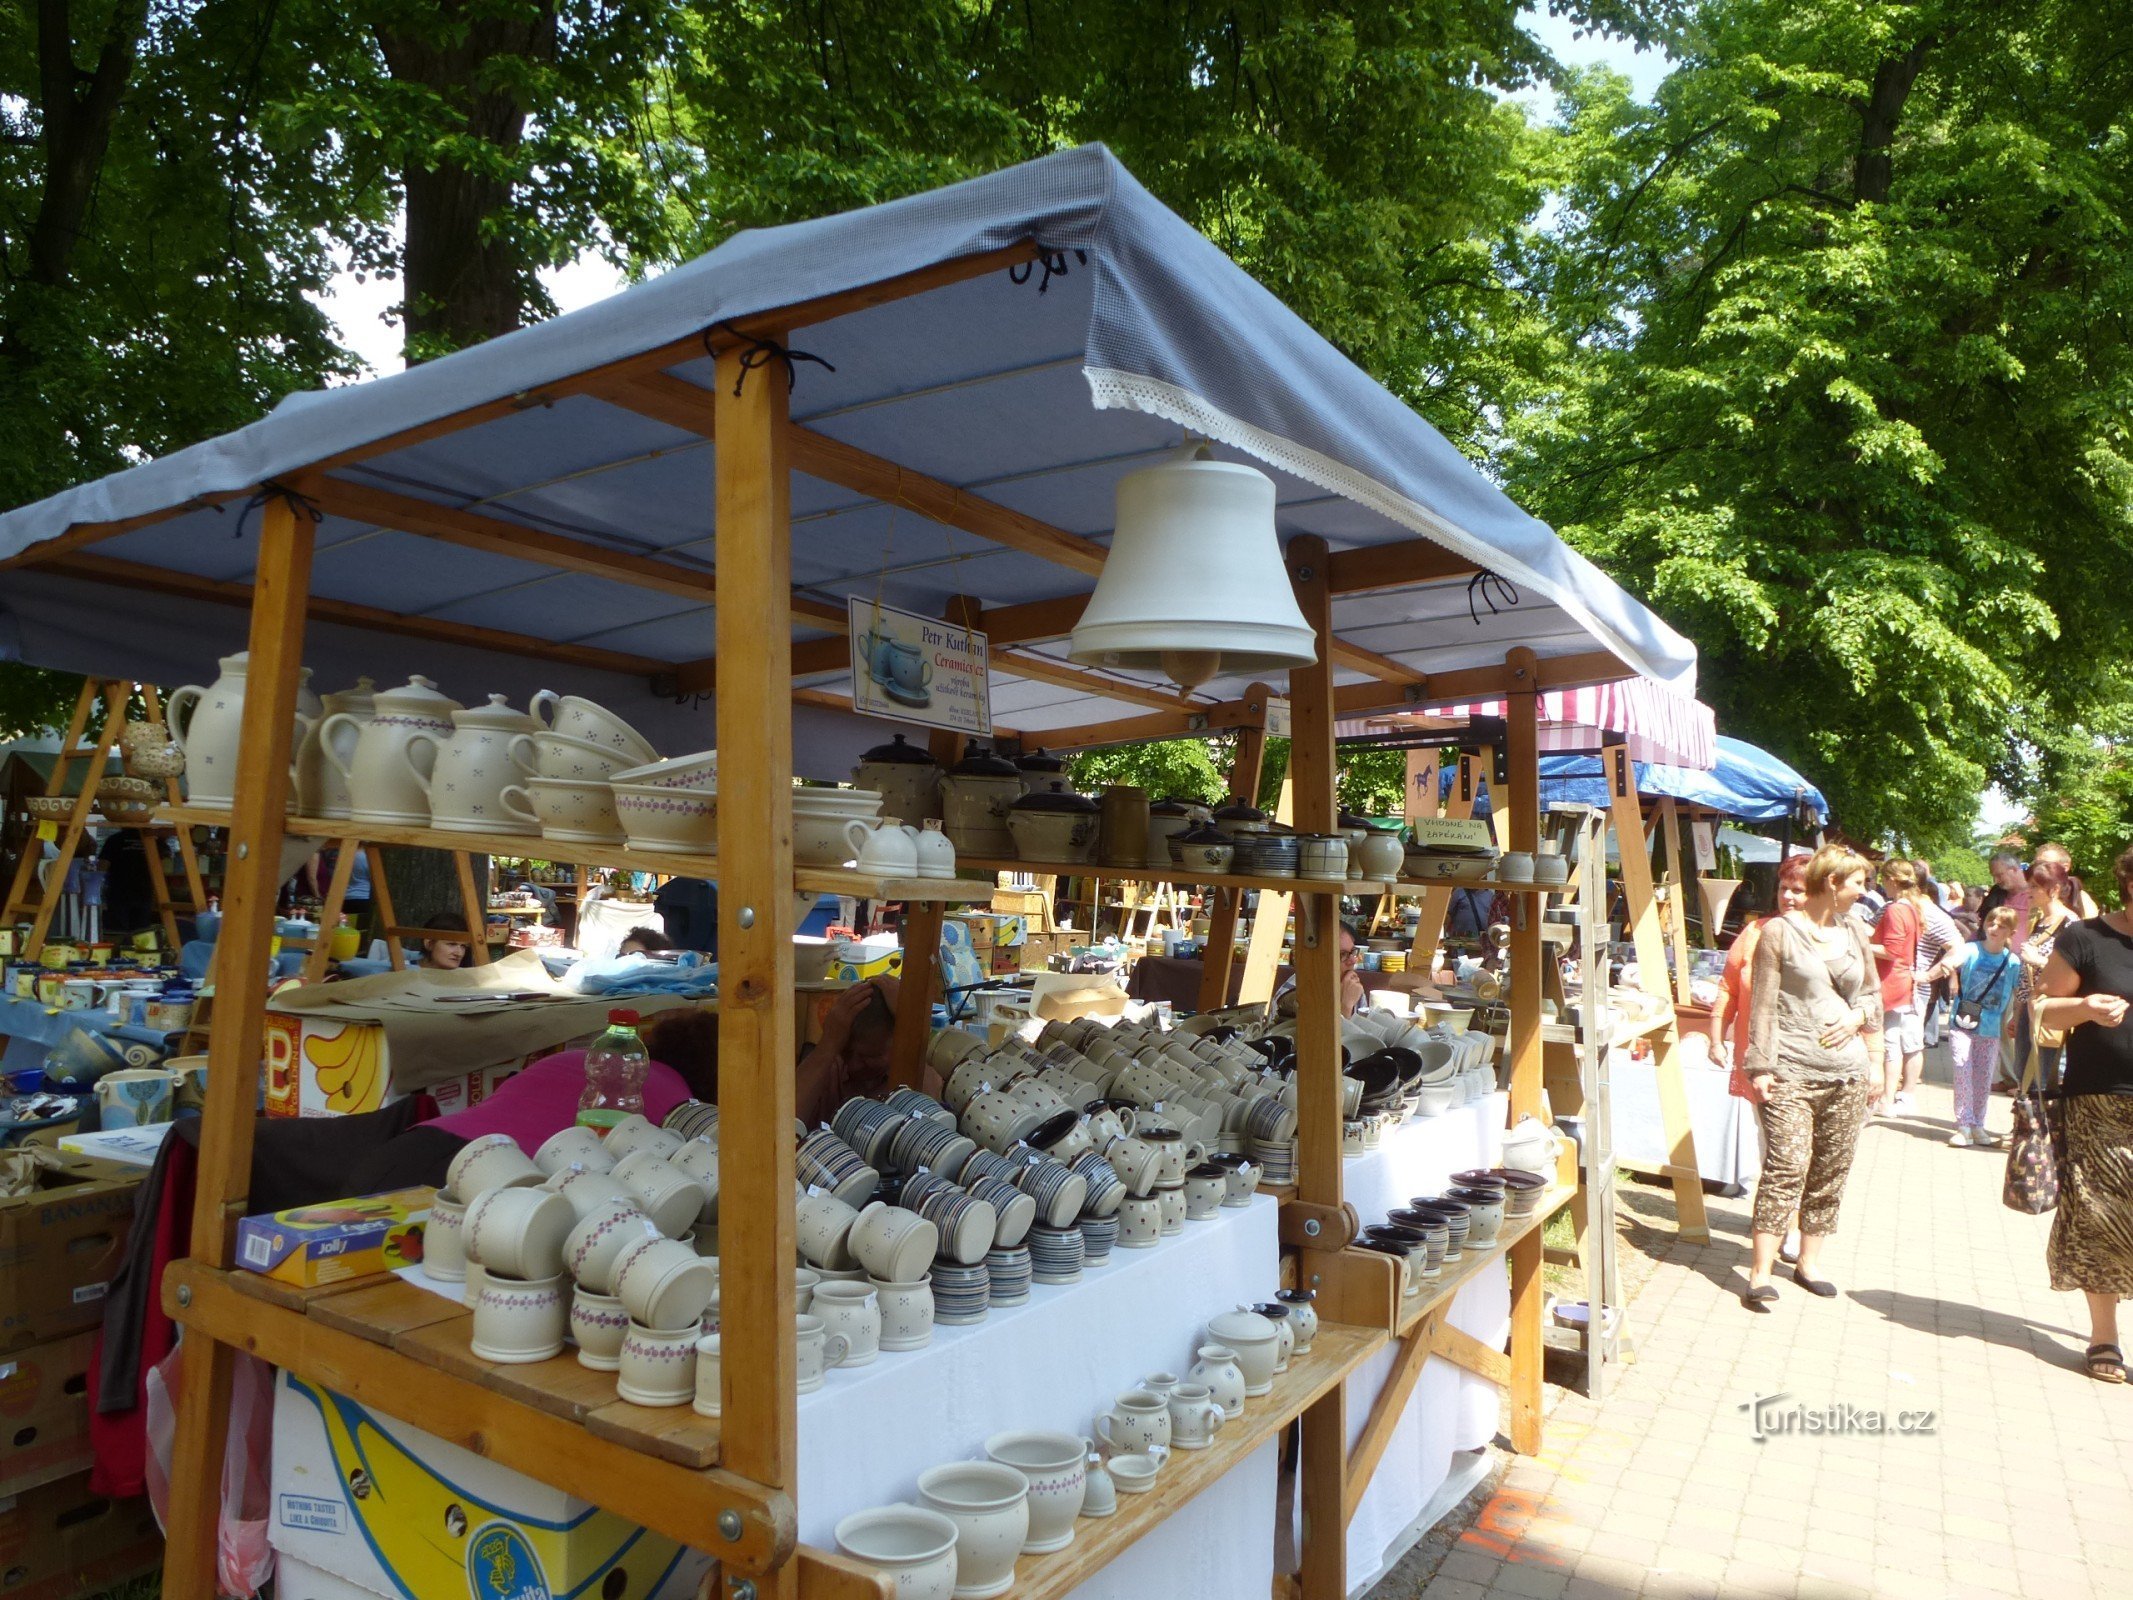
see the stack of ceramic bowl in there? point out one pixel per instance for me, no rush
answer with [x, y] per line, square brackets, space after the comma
[830, 826]
[826, 1162]
[1011, 1272]
[961, 1292]
[657, 805]
[1056, 1254]
[1098, 1236]
[1522, 1191]
[1266, 855]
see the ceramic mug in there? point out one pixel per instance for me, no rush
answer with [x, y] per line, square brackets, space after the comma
[597, 1323]
[664, 1284]
[1195, 1419]
[1140, 1222]
[805, 1281]
[597, 1242]
[1204, 1194]
[1171, 1198]
[989, 1505]
[444, 1239]
[588, 1191]
[519, 1232]
[518, 1321]
[706, 1403]
[669, 1196]
[1137, 1421]
[823, 1224]
[657, 1367]
[854, 1310]
[494, 1161]
[1137, 1163]
[906, 1313]
[819, 1350]
[573, 1144]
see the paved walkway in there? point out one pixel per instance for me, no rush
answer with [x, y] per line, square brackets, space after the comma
[2023, 1486]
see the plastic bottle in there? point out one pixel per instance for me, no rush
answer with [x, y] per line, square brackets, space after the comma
[615, 1069]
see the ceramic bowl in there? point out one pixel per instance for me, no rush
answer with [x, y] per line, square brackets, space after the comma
[1055, 1466]
[494, 1161]
[669, 1196]
[989, 1505]
[519, 1232]
[575, 717]
[572, 810]
[657, 1366]
[558, 755]
[916, 1547]
[597, 1323]
[518, 1321]
[1135, 1472]
[698, 772]
[664, 1283]
[814, 801]
[667, 819]
[602, 1234]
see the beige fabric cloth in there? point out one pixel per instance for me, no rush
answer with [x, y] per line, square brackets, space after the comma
[440, 1025]
[1805, 981]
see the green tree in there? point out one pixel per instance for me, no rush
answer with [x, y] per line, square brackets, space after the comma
[1842, 328]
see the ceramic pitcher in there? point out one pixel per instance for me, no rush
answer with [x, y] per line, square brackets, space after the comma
[321, 790]
[210, 734]
[465, 776]
[382, 786]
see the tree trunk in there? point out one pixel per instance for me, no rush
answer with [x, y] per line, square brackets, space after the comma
[464, 279]
[77, 109]
[1874, 173]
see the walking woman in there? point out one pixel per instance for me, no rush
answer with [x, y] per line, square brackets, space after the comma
[1985, 974]
[2048, 917]
[1814, 1055]
[1729, 1015]
[1896, 933]
[2087, 984]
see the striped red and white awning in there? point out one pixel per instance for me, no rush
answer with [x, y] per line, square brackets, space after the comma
[1656, 723]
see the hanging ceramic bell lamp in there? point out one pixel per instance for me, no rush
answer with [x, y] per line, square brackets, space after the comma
[1194, 585]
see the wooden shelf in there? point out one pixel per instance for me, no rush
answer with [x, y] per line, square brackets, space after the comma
[674, 863]
[1413, 1308]
[1405, 887]
[1337, 1351]
[1627, 1029]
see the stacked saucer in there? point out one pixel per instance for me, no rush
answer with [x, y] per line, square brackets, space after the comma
[910, 1103]
[967, 1224]
[1098, 1234]
[1056, 1254]
[960, 1294]
[827, 1163]
[1277, 1161]
[1011, 1272]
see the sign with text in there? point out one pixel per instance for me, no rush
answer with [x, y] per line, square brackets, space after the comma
[1280, 722]
[919, 669]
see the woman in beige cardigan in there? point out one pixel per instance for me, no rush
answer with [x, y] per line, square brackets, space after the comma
[1814, 1045]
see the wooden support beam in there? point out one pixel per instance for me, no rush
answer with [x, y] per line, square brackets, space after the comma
[1262, 951]
[1220, 955]
[1522, 802]
[235, 1046]
[1464, 1350]
[755, 1022]
[1368, 1450]
[1317, 946]
[1396, 566]
[1528, 1349]
[915, 996]
[1437, 899]
[1677, 910]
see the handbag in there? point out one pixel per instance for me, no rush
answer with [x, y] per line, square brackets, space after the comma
[2038, 1145]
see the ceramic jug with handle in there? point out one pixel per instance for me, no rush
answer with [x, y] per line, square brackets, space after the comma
[464, 776]
[382, 786]
[891, 850]
[321, 789]
[210, 734]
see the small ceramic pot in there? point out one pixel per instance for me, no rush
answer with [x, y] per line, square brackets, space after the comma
[657, 1367]
[597, 1242]
[853, 1310]
[1055, 1467]
[906, 1313]
[444, 1239]
[517, 1321]
[1195, 1418]
[494, 1161]
[1284, 1335]
[1303, 1316]
[1172, 1200]
[573, 1144]
[708, 1377]
[1205, 1189]
[1217, 1371]
[597, 1323]
[1140, 1222]
[664, 1284]
[989, 1505]
[914, 1546]
[519, 1232]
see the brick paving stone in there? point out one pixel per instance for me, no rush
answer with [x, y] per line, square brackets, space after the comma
[1443, 1588]
[1531, 1583]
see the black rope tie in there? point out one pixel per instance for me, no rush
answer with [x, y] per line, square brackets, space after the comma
[1485, 588]
[1054, 264]
[300, 503]
[760, 352]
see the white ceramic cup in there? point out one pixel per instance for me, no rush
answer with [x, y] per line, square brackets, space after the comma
[1056, 1468]
[588, 1190]
[494, 1161]
[444, 1239]
[989, 1505]
[516, 1321]
[669, 1196]
[1137, 1420]
[805, 1281]
[574, 1143]
[1195, 1419]
[597, 1323]
[854, 1310]
[657, 1366]
[597, 1242]
[519, 1232]
[819, 1350]
[1140, 1222]
[823, 1224]
[1134, 1472]
[914, 1546]
[707, 1402]
[892, 1243]
[906, 1313]
[664, 1284]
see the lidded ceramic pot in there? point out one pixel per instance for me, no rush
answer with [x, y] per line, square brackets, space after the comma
[907, 778]
[976, 796]
[383, 786]
[491, 746]
[1054, 825]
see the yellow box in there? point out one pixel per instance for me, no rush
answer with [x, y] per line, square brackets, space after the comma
[309, 1245]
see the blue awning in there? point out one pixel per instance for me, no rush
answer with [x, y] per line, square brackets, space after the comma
[1748, 783]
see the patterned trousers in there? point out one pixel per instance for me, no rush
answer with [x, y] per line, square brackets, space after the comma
[1973, 1056]
[1810, 1130]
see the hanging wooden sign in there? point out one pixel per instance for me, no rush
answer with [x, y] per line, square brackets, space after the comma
[912, 668]
[1706, 844]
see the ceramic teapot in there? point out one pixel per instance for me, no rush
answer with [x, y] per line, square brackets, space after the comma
[321, 789]
[382, 785]
[464, 776]
[210, 734]
[907, 778]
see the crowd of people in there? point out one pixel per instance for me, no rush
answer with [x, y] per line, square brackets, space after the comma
[1829, 1004]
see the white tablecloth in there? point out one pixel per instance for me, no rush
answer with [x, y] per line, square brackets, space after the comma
[1451, 1409]
[867, 1434]
[1729, 1147]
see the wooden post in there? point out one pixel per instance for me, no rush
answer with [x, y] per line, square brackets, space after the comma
[1245, 767]
[1527, 952]
[1322, 1472]
[280, 586]
[755, 1022]
[1677, 908]
[1437, 899]
[329, 914]
[381, 905]
[914, 997]
[1262, 950]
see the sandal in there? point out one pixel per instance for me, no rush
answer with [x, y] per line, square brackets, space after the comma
[2107, 1363]
[1820, 1286]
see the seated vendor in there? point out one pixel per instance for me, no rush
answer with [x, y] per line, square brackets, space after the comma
[644, 942]
[852, 1056]
[1351, 990]
[445, 955]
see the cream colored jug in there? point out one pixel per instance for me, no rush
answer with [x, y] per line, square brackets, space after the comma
[382, 786]
[321, 790]
[464, 776]
[210, 735]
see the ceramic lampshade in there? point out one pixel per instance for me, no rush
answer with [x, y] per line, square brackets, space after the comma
[1194, 584]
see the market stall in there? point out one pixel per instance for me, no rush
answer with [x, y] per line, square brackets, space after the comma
[914, 405]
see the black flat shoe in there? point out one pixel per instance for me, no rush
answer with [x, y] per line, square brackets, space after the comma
[1760, 1300]
[1820, 1286]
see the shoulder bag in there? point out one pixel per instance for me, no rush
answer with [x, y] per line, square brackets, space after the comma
[1969, 1013]
[2037, 1147]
